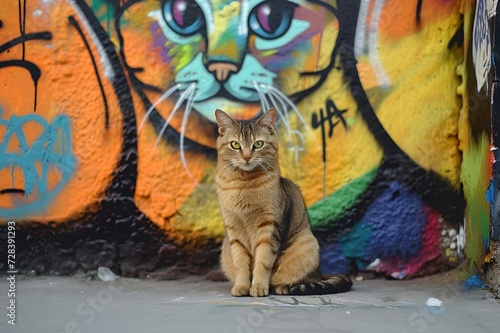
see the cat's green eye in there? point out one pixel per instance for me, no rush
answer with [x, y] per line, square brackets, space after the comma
[258, 144]
[235, 145]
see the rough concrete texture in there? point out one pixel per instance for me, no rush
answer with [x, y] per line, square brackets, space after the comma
[69, 304]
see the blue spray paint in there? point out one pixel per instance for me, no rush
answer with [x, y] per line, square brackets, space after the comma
[51, 150]
[474, 282]
[382, 233]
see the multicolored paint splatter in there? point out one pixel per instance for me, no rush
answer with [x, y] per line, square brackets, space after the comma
[370, 96]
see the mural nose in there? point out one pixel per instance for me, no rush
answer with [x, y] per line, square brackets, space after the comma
[222, 70]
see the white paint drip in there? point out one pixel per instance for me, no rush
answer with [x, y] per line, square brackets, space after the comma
[185, 117]
[380, 73]
[461, 239]
[360, 40]
[243, 28]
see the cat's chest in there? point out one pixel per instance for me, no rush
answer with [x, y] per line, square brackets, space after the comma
[252, 202]
[250, 198]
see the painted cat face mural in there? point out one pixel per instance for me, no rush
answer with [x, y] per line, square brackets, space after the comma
[241, 56]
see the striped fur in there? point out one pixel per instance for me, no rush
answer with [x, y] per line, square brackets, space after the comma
[327, 285]
[269, 244]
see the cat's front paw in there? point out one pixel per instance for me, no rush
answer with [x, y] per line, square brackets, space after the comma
[259, 290]
[281, 290]
[240, 290]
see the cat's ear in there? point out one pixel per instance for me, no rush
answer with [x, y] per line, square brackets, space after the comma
[268, 119]
[223, 121]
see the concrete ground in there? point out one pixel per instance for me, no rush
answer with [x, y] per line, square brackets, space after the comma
[70, 304]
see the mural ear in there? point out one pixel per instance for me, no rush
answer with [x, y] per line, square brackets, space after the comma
[268, 119]
[223, 121]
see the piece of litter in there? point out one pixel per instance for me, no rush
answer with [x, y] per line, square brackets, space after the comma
[433, 302]
[105, 274]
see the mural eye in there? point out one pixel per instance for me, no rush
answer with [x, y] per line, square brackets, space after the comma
[235, 145]
[184, 17]
[271, 19]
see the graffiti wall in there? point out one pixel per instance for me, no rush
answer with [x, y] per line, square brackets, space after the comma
[107, 128]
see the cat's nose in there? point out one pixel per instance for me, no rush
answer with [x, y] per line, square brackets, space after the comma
[247, 158]
[222, 70]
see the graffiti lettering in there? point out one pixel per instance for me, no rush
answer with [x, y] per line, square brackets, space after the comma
[332, 113]
[38, 169]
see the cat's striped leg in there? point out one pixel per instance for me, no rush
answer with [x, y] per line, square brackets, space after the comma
[241, 260]
[264, 258]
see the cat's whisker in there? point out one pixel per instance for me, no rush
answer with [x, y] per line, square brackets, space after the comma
[185, 117]
[177, 105]
[263, 168]
[261, 162]
[228, 168]
[153, 106]
[270, 165]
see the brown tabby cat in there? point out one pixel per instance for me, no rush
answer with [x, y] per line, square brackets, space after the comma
[268, 240]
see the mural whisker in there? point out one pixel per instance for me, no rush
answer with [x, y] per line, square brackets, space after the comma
[282, 111]
[283, 98]
[161, 99]
[282, 106]
[190, 98]
[263, 100]
[177, 105]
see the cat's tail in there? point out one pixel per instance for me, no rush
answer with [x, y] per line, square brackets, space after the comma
[329, 284]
